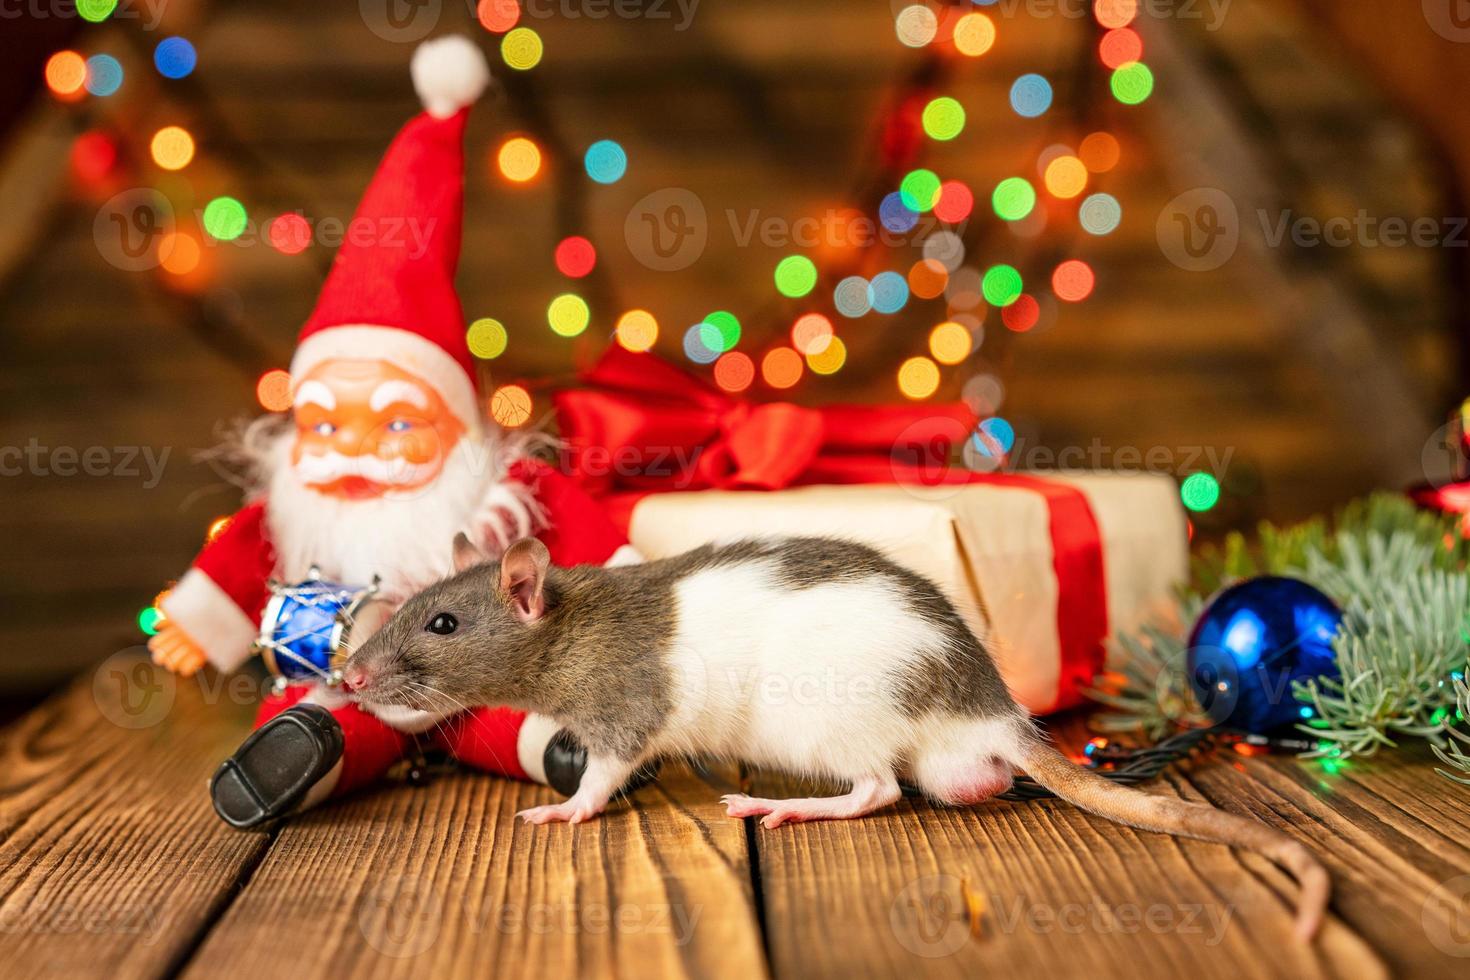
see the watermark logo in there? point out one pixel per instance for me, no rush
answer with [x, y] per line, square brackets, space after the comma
[400, 21]
[1445, 916]
[401, 916]
[667, 230]
[131, 692]
[1199, 230]
[1442, 460]
[1450, 19]
[931, 917]
[130, 227]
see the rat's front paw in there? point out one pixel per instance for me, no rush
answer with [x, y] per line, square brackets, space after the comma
[569, 812]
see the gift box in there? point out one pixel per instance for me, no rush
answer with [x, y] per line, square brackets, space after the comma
[1031, 590]
[1045, 567]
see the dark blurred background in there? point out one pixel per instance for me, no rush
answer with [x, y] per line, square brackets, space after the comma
[1299, 374]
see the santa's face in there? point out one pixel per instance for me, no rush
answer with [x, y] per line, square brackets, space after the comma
[365, 428]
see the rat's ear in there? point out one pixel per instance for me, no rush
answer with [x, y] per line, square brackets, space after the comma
[523, 578]
[466, 555]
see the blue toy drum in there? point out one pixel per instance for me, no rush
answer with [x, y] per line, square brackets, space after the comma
[307, 629]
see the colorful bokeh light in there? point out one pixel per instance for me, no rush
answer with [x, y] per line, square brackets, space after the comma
[1200, 492]
[519, 159]
[1132, 83]
[637, 330]
[498, 16]
[918, 378]
[487, 338]
[1002, 285]
[927, 278]
[720, 330]
[606, 161]
[1120, 46]
[888, 292]
[1013, 198]
[852, 297]
[1115, 13]
[895, 215]
[956, 202]
[994, 437]
[1066, 177]
[811, 333]
[172, 148]
[225, 219]
[1100, 152]
[916, 25]
[796, 276]
[575, 257]
[66, 74]
[510, 406]
[974, 34]
[289, 234]
[568, 315]
[1031, 95]
[1100, 214]
[178, 253]
[95, 11]
[920, 189]
[830, 359]
[522, 49]
[1022, 315]
[944, 119]
[93, 156]
[1073, 281]
[695, 346]
[781, 367]
[950, 343]
[273, 390]
[734, 372]
[175, 57]
[104, 74]
[149, 620]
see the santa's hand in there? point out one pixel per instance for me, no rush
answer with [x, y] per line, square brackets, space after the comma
[173, 650]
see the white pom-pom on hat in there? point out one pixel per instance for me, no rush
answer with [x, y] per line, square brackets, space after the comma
[449, 73]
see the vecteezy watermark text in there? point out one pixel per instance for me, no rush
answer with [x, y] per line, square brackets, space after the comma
[128, 462]
[150, 12]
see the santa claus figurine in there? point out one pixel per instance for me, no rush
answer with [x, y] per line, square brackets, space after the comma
[384, 458]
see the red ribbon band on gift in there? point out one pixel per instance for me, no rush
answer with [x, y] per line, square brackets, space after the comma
[641, 425]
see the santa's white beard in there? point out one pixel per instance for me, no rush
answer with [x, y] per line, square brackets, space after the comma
[404, 537]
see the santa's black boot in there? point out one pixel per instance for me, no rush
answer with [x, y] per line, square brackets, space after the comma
[272, 770]
[566, 759]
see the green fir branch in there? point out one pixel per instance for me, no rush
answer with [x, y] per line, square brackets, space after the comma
[1455, 753]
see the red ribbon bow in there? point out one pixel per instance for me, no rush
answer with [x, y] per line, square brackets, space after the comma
[642, 425]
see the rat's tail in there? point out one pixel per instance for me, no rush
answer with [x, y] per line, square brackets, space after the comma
[1086, 789]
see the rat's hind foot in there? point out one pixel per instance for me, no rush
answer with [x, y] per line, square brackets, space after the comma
[572, 811]
[740, 805]
[866, 795]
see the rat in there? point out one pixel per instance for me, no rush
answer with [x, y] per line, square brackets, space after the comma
[814, 656]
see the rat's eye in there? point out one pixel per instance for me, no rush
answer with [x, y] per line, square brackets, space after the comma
[324, 428]
[399, 425]
[443, 624]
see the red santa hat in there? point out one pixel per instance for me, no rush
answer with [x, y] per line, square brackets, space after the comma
[390, 295]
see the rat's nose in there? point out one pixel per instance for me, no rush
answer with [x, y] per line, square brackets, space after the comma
[355, 678]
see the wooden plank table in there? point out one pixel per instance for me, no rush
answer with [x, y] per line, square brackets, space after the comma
[113, 864]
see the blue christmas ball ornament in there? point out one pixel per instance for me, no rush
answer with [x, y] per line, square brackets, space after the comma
[1252, 641]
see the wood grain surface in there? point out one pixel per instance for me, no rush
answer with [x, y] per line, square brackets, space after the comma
[114, 865]
[443, 881]
[111, 862]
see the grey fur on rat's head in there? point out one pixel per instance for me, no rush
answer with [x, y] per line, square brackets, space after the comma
[469, 632]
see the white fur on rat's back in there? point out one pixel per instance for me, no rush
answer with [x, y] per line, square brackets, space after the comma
[805, 679]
